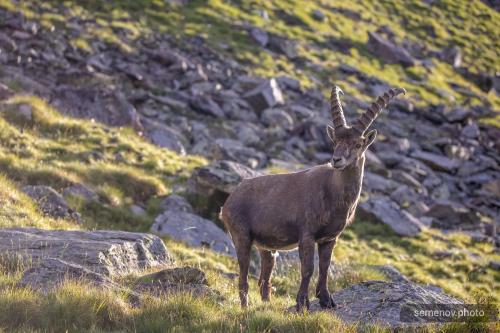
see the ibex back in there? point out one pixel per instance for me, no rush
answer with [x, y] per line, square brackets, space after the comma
[281, 212]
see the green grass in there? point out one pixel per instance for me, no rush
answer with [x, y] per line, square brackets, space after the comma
[48, 151]
[57, 151]
[80, 307]
[465, 273]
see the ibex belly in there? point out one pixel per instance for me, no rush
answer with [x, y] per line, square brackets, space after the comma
[280, 237]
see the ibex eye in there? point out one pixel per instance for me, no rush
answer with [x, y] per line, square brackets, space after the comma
[358, 145]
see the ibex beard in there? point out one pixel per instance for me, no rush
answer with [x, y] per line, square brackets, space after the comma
[281, 212]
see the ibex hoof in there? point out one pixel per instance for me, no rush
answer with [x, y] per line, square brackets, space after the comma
[302, 303]
[327, 302]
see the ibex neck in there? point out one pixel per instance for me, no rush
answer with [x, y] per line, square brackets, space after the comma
[354, 170]
[350, 179]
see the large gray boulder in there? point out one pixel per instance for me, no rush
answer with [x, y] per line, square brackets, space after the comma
[228, 149]
[388, 51]
[222, 175]
[260, 36]
[210, 185]
[172, 280]
[436, 162]
[5, 92]
[180, 223]
[99, 103]
[452, 215]
[164, 136]
[375, 183]
[206, 105]
[51, 272]
[384, 210]
[264, 96]
[378, 302]
[283, 45]
[277, 118]
[108, 253]
[50, 202]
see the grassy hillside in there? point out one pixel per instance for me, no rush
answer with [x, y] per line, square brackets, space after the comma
[50, 149]
[47, 148]
[58, 151]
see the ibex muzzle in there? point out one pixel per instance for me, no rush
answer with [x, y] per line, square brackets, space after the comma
[305, 208]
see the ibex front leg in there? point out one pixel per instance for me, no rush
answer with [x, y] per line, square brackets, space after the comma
[325, 257]
[306, 252]
[267, 261]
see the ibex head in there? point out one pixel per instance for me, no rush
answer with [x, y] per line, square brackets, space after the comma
[350, 142]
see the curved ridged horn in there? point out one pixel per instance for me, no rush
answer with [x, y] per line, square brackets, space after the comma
[366, 119]
[336, 108]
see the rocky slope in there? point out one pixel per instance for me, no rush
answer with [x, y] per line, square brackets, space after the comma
[434, 169]
[436, 163]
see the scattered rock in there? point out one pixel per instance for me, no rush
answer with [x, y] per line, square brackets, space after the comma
[50, 202]
[376, 183]
[25, 112]
[457, 115]
[173, 280]
[452, 55]
[409, 200]
[452, 215]
[193, 230]
[176, 202]
[211, 185]
[178, 275]
[374, 164]
[458, 152]
[206, 105]
[227, 149]
[260, 36]
[5, 92]
[223, 176]
[392, 273]
[289, 83]
[386, 211]
[107, 253]
[318, 15]
[164, 136]
[127, 113]
[388, 51]
[51, 272]
[471, 131]
[137, 210]
[492, 187]
[436, 162]
[81, 191]
[378, 302]
[277, 118]
[484, 81]
[495, 265]
[283, 45]
[264, 96]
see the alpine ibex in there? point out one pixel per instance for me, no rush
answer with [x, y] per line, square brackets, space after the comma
[279, 212]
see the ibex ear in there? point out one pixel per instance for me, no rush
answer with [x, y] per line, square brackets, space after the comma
[331, 133]
[370, 137]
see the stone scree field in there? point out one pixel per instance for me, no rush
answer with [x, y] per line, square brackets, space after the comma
[124, 126]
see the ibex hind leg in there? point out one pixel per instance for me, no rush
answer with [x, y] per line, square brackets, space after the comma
[243, 246]
[242, 240]
[267, 260]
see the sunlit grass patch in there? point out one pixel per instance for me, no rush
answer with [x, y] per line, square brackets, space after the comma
[463, 273]
[47, 148]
